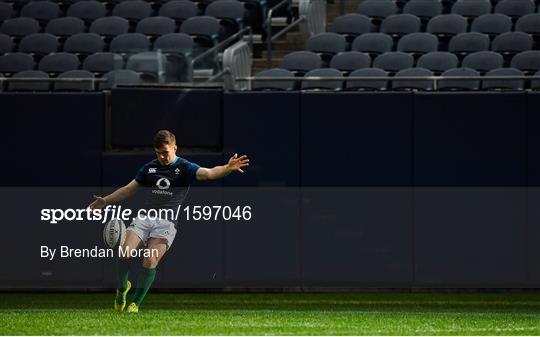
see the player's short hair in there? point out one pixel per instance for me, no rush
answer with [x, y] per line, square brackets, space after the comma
[164, 137]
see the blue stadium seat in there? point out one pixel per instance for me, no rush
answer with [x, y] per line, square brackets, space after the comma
[413, 85]
[472, 9]
[367, 85]
[39, 44]
[149, 65]
[323, 85]
[29, 85]
[373, 43]
[351, 26]
[57, 63]
[514, 85]
[349, 61]
[75, 86]
[526, 61]
[203, 29]
[130, 43]
[179, 10]
[156, 26]
[392, 62]
[120, 77]
[423, 9]
[438, 62]
[43, 11]
[6, 11]
[398, 25]
[511, 43]
[133, 10]
[327, 45]
[20, 27]
[378, 10]
[110, 26]
[483, 61]
[273, 85]
[462, 84]
[492, 24]
[65, 27]
[84, 44]
[447, 25]
[11, 63]
[230, 14]
[515, 8]
[174, 42]
[466, 43]
[6, 44]
[87, 11]
[103, 62]
[418, 44]
[300, 62]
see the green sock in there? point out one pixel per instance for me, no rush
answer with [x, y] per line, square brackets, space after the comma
[122, 272]
[144, 282]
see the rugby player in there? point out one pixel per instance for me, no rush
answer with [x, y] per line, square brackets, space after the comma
[167, 179]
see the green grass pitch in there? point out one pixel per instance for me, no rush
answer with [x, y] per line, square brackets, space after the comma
[275, 314]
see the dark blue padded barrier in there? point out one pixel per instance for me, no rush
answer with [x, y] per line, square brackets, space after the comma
[533, 123]
[356, 139]
[63, 133]
[266, 250]
[193, 115]
[265, 126]
[470, 236]
[357, 237]
[533, 229]
[470, 139]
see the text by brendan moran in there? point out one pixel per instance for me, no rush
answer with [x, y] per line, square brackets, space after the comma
[95, 252]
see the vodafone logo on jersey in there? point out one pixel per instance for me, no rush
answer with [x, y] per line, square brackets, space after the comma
[163, 184]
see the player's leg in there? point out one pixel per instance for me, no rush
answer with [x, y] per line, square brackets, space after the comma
[157, 247]
[132, 241]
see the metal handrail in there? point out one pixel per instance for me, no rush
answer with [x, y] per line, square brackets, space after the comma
[93, 81]
[435, 79]
[223, 44]
[269, 37]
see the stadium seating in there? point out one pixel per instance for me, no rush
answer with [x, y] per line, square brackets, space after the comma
[378, 10]
[11, 63]
[110, 26]
[87, 10]
[347, 62]
[20, 27]
[75, 86]
[472, 9]
[6, 11]
[179, 10]
[492, 24]
[351, 25]
[102, 63]
[301, 62]
[156, 26]
[65, 27]
[230, 14]
[423, 9]
[400, 24]
[119, 77]
[515, 8]
[527, 61]
[416, 85]
[392, 62]
[323, 85]
[84, 44]
[39, 44]
[503, 84]
[461, 84]
[367, 85]
[373, 43]
[483, 61]
[29, 85]
[438, 62]
[273, 85]
[43, 11]
[130, 43]
[327, 45]
[133, 10]
[466, 43]
[447, 25]
[6, 44]
[57, 63]
[418, 44]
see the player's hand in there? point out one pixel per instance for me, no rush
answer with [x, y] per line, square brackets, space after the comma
[237, 163]
[99, 203]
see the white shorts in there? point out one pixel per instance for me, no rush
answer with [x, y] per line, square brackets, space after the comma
[161, 229]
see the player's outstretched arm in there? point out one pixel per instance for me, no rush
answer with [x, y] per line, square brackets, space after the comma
[235, 164]
[116, 196]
